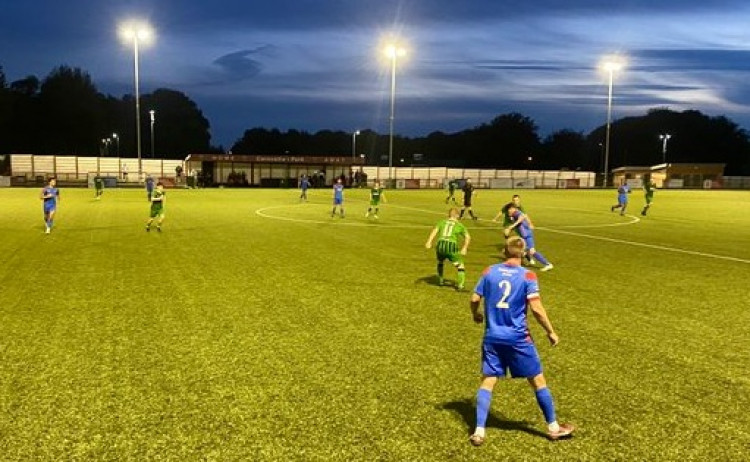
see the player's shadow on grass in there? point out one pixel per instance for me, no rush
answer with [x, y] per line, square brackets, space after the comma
[466, 410]
[434, 281]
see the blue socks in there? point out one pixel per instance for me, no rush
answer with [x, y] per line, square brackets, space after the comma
[546, 404]
[484, 398]
[540, 258]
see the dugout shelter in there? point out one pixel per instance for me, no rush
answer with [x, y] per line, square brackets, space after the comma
[674, 175]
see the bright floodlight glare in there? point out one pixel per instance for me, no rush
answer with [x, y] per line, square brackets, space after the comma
[393, 51]
[136, 30]
[613, 64]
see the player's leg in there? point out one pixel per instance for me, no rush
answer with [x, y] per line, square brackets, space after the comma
[161, 220]
[546, 403]
[463, 209]
[376, 211]
[341, 210]
[525, 362]
[471, 213]
[646, 207]
[541, 259]
[150, 220]
[624, 206]
[51, 219]
[440, 255]
[484, 401]
[493, 367]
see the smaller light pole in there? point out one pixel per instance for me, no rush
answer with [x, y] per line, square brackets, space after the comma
[152, 113]
[354, 143]
[664, 138]
[117, 140]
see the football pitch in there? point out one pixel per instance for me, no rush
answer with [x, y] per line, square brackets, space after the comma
[256, 327]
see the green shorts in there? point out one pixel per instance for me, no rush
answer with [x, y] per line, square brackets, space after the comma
[447, 250]
[649, 198]
[375, 202]
[157, 212]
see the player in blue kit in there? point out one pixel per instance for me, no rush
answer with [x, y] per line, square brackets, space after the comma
[338, 198]
[508, 291]
[149, 187]
[622, 197]
[50, 197]
[304, 185]
[522, 225]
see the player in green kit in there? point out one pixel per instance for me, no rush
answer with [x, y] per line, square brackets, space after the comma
[158, 198]
[451, 192]
[448, 232]
[99, 186]
[648, 189]
[376, 195]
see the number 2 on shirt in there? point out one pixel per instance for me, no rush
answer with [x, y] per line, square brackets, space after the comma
[505, 288]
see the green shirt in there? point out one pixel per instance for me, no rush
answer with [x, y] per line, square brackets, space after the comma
[157, 199]
[649, 187]
[450, 230]
[375, 194]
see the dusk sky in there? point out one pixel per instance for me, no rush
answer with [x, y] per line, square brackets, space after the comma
[318, 64]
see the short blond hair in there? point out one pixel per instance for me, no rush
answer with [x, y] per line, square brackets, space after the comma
[515, 247]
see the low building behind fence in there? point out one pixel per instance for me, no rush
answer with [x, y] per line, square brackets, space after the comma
[29, 169]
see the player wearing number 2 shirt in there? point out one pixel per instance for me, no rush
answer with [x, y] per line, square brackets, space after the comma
[448, 233]
[508, 290]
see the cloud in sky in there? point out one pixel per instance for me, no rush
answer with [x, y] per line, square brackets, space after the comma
[313, 64]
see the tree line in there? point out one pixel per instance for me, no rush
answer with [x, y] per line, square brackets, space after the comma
[66, 114]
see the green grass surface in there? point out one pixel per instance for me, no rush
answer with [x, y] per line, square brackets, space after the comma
[289, 335]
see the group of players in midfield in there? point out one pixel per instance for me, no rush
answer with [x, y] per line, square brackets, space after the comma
[155, 195]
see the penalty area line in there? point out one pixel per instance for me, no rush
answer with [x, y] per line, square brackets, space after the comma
[648, 246]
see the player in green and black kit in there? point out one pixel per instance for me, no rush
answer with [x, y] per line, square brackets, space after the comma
[451, 192]
[376, 195]
[648, 188]
[99, 186]
[158, 198]
[448, 233]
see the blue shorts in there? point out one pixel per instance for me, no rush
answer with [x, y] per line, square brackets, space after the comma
[622, 199]
[529, 242]
[338, 200]
[50, 207]
[522, 360]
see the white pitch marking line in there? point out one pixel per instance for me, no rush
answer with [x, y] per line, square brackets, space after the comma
[261, 212]
[649, 246]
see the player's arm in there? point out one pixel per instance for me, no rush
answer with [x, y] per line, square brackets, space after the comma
[476, 313]
[434, 232]
[382, 197]
[516, 223]
[528, 220]
[467, 240]
[541, 316]
[499, 214]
